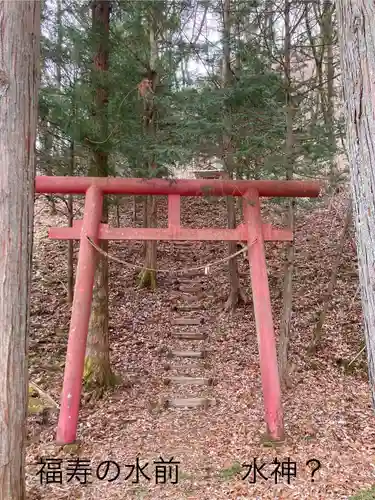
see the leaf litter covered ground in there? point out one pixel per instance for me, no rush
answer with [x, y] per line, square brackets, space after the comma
[328, 414]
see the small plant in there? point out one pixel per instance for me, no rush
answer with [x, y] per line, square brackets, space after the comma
[141, 492]
[184, 475]
[364, 495]
[231, 471]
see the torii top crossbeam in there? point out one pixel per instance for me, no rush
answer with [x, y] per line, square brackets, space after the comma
[182, 187]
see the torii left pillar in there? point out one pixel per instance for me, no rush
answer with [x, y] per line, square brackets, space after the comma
[83, 291]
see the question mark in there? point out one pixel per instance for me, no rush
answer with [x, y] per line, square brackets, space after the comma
[315, 469]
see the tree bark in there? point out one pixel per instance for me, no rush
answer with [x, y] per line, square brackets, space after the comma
[236, 295]
[289, 264]
[330, 75]
[117, 210]
[356, 20]
[70, 254]
[47, 140]
[19, 81]
[98, 374]
[147, 277]
[70, 203]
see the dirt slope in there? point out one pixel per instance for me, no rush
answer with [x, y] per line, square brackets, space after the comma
[327, 412]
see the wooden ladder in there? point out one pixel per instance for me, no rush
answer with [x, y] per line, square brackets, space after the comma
[189, 289]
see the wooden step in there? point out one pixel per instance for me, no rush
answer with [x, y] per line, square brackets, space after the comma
[191, 298]
[187, 321]
[188, 380]
[190, 288]
[190, 402]
[187, 354]
[189, 335]
[186, 281]
[193, 273]
[191, 307]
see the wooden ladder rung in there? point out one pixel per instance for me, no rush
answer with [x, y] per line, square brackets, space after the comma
[190, 288]
[192, 307]
[191, 402]
[187, 321]
[189, 335]
[187, 354]
[189, 380]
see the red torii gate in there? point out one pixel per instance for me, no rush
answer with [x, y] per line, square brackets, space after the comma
[252, 231]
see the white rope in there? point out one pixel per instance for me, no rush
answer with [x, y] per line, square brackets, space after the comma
[205, 267]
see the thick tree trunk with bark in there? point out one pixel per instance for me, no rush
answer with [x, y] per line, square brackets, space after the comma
[19, 81]
[356, 20]
[98, 374]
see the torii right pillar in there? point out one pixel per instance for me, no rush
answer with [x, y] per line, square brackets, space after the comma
[263, 317]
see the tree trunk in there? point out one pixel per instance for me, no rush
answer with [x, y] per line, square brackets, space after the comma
[98, 373]
[147, 277]
[269, 32]
[117, 210]
[289, 264]
[145, 218]
[236, 295]
[134, 217]
[19, 81]
[356, 22]
[70, 203]
[330, 75]
[287, 302]
[70, 266]
[70, 254]
[317, 335]
[48, 147]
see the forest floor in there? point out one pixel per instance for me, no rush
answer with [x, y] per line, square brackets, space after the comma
[328, 415]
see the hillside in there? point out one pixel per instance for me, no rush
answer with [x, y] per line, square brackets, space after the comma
[327, 410]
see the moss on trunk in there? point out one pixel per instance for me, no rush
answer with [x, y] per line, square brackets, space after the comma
[95, 378]
[147, 279]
